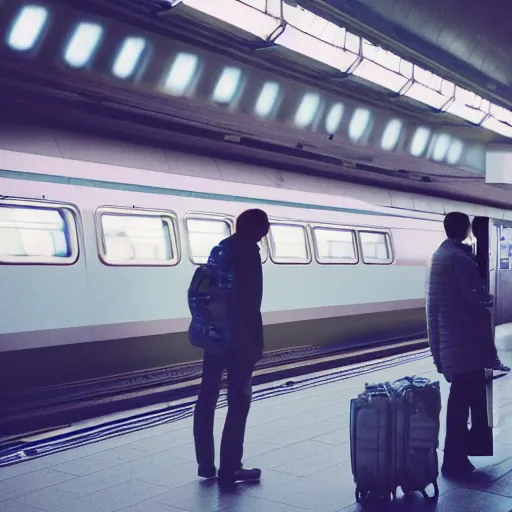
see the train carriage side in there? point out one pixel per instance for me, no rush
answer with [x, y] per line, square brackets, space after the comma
[107, 293]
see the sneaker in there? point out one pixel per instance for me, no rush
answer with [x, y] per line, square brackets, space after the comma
[207, 472]
[242, 475]
[499, 369]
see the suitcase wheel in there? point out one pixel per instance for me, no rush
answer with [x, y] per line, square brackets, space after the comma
[436, 492]
[362, 495]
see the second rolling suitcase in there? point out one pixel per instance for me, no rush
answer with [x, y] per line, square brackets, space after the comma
[417, 431]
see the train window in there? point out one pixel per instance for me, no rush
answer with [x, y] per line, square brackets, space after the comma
[376, 247]
[37, 234]
[289, 243]
[335, 245]
[203, 235]
[141, 238]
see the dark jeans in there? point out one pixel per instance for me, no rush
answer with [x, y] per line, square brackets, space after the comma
[467, 392]
[239, 372]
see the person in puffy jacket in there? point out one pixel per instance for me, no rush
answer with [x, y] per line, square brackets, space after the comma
[461, 339]
[251, 227]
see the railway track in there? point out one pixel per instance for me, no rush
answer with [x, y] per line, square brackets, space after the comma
[50, 408]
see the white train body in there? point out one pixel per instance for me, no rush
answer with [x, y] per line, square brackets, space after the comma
[92, 312]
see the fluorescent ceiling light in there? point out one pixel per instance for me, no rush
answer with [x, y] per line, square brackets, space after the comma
[316, 49]
[27, 27]
[267, 99]
[469, 106]
[376, 74]
[391, 135]
[182, 73]
[227, 85]
[249, 18]
[317, 38]
[359, 124]
[314, 25]
[419, 141]
[500, 121]
[383, 68]
[430, 89]
[82, 44]
[497, 127]
[502, 114]
[455, 152]
[307, 110]
[128, 56]
[441, 147]
[333, 119]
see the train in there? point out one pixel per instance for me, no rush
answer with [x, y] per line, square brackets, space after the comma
[99, 241]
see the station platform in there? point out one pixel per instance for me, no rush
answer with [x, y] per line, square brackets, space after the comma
[299, 439]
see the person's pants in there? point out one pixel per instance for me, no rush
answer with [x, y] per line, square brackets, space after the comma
[239, 373]
[467, 392]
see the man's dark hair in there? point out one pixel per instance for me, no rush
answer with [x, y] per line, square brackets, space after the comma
[456, 225]
[252, 222]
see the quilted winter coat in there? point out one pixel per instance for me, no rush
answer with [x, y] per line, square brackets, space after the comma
[458, 319]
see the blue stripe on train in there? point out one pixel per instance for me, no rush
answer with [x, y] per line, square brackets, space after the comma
[149, 189]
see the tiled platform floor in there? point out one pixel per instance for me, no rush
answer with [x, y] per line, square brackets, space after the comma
[300, 440]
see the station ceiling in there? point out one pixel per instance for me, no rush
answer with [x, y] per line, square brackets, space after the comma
[469, 36]
[244, 104]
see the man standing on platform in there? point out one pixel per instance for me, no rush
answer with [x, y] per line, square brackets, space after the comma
[460, 341]
[239, 361]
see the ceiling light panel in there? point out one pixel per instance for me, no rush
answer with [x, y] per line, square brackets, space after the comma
[182, 73]
[455, 152]
[391, 135]
[441, 147]
[27, 27]
[468, 106]
[316, 49]
[82, 44]
[267, 99]
[334, 118]
[430, 89]
[499, 121]
[128, 56]
[316, 38]
[308, 109]
[246, 15]
[227, 85]
[359, 124]
[419, 141]
[383, 68]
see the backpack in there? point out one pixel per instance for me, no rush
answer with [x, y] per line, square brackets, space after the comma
[212, 303]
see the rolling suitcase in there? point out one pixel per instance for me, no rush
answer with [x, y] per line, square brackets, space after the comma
[372, 442]
[417, 430]
[394, 436]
